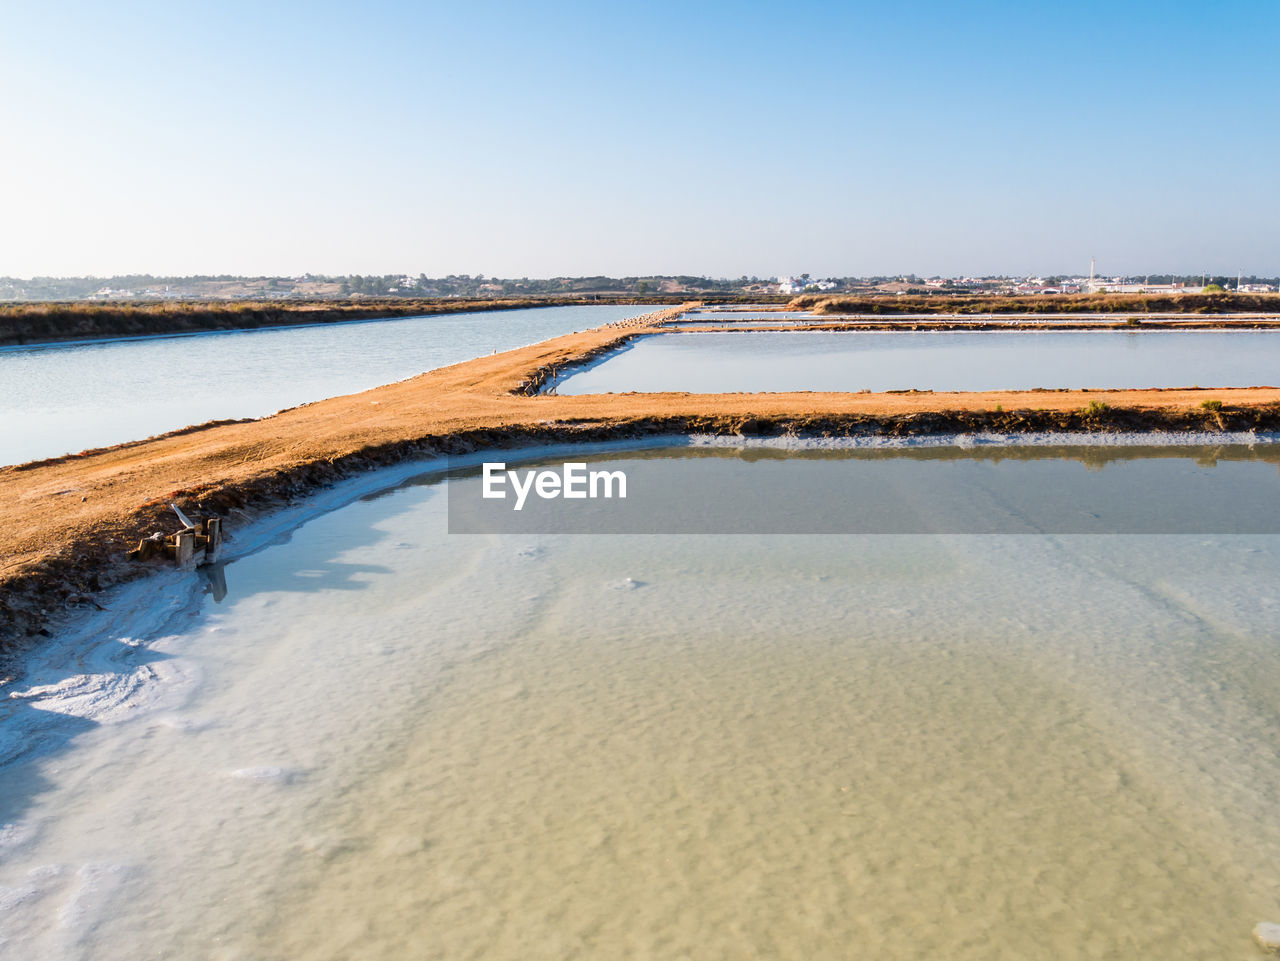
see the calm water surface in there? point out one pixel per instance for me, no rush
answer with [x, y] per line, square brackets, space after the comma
[390, 742]
[737, 315]
[815, 360]
[808, 316]
[62, 398]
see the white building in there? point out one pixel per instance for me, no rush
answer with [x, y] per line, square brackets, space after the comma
[795, 285]
[1118, 286]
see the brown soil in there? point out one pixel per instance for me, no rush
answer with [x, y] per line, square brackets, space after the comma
[66, 523]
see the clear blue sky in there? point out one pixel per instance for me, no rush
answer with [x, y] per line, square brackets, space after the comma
[574, 138]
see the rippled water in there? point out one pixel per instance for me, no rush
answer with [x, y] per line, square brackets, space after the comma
[61, 398]
[850, 361]
[389, 742]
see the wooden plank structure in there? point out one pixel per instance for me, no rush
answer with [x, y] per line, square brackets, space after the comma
[193, 545]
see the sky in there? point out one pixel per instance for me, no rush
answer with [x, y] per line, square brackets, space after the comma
[720, 139]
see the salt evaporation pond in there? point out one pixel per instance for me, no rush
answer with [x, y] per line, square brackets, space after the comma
[62, 398]
[706, 316]
[693, 319]
[850, 361]
[386, 741]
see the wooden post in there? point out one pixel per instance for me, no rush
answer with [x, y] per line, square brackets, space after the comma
[213, 531]
[184, 547]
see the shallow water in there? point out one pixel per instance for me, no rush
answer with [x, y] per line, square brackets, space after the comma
[61, 398]
[727, 322]
[695, 319]
[851, 361]
[742, 314]
[390, 742]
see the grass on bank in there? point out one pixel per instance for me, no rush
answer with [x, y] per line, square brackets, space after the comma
[1224, 303]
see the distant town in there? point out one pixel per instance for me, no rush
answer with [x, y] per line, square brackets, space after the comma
[355, 287]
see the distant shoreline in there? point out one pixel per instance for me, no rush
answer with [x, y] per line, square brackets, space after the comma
[1048, 304]
[36, 324]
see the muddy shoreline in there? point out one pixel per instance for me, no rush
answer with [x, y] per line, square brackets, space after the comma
[30, 601]
[67, 522]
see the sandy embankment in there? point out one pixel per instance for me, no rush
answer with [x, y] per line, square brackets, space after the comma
[65, 523]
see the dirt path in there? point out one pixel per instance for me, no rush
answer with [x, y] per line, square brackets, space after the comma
[65, 523]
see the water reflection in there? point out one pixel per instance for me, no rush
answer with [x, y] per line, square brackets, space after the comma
[977, 489]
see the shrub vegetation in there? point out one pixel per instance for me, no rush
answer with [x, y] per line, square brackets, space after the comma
[1050, 304]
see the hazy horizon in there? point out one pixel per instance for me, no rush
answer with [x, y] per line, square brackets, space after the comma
[578, 141]
[906, 275]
